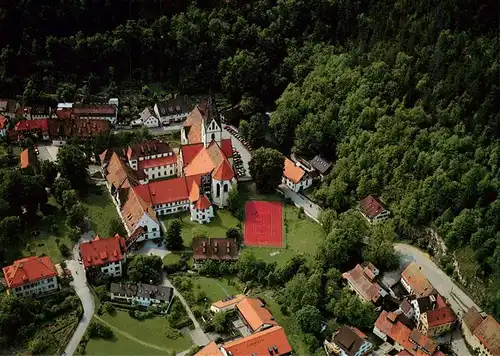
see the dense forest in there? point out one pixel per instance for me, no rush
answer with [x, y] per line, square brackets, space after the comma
[403, 96]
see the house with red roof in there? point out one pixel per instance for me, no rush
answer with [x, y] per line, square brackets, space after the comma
[253, 312]
[348, 341]
[104, 256]
[31, 276]
[362, 280]
[37, 127]
[154, 158]
[482, 332]
[295, 177]
[373, 210]
[108, 112]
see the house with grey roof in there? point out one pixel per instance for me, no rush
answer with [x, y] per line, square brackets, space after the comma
[141, 294]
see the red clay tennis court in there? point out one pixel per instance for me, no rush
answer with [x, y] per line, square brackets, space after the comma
[263, 224]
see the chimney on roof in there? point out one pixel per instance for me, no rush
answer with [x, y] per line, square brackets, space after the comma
[432, 298]
[270, 351]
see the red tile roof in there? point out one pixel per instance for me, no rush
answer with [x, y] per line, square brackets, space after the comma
[224, 171]
[218, 249]
[362, 283]
[371, 206]
[63, 114]
[193, 124]
[157, 162]
[37, 124]
[194, 194]
[211, 349]
[89, 109]
[25, 159]
[255, 313]
[134, 209]
[472, 319]
[203, 203]
[227, 147]
[293, 172]
[389, 324]
[3, 122]
[441, 316]
[148, 148]
[206, 160]
[414, 276]
[189, 152]
[260, 343]
[119, 173]
[29, 270]
[166, 191]
[102, 251]
[488, 332]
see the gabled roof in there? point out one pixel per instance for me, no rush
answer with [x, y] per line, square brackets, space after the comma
[349, 339]
[371, 206]
[36, 124]
[202, 203]
[227, 147]
[102, 251]
[223, 171]
[219, 249]
[157, 162]
[260, 343]
[173, 106]
[119, 173]
[190, 151]
[194, 194]
[423, 341]
[146, 114]
[143, 290]
[206, 160]
[148, 148]
[488, 332]
[255, 313]
[164, 191]
[64, 114]
[472, 318]
[293, 172]
[94, 109]
[362, 283]
[28, 270]
[320, 164]
[193, 125]
[229, 301]
[414, 276]
[440, 316]
[211, 349]
[134, 209]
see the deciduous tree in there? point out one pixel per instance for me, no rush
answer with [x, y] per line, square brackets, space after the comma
[266, 168]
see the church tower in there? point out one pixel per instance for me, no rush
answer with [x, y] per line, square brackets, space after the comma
[212, 125]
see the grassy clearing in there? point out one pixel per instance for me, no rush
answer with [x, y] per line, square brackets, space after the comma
[50, 230]
[119, 345]
[222, 221]
[469, 270]
[292, 329]
[101, 210]
[171, 258]
[216, 288]
[151, 331]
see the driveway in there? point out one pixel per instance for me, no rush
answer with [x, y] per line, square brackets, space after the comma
[83, 292]
[312, 210]
[197, 335]
[459, 301]
[151, 248]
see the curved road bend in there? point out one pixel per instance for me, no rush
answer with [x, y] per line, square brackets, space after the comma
[83, 292]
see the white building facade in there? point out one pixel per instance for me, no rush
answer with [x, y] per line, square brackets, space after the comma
[40, 287]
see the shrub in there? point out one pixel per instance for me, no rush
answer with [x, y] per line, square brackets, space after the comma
[110, 308]
[97, 329]
[64, 250]
[172, 333]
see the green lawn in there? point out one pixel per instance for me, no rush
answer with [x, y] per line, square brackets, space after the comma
[119, 345]
[216, 288]
[51, 228]
[171, 258]
[101, 210]
[222, 221]
[151, 331]
[293, 331]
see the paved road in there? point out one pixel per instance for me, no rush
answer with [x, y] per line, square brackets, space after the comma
[312, 210]
[198, 336]
[155, 130]
[459, 301]
[47, 152]
[83, 292]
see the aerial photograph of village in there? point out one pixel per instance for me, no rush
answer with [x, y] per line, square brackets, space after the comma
[250, 178]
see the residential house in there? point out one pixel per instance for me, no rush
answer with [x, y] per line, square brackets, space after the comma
[226, 304]
[62, 128]
[31, 276]
[215, 249]
[172, 110]
[481, 333]
[141, 294]
[35, 112]
[421, 305]
[348, 341]
[415, 282]
[155, 158]
[8, 107]
[4, 122]
[321, 165]
[106, 256]
[37, 127]
[390, 328]
[438, 321]
[254, 314]
[295, 177]
[373, 210]
[107, 112]
[148, 118]
[362, 280]
[272, 341]
[28, 160]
